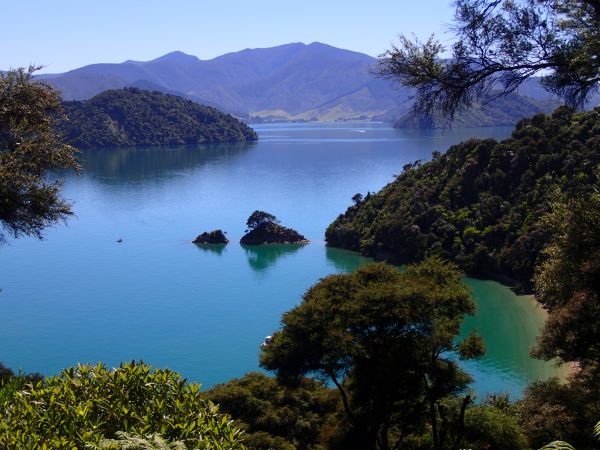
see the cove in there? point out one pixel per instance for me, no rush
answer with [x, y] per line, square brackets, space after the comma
[81, 296]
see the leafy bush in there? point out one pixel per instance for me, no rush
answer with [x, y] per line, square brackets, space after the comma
[87, 404]
[273, 415]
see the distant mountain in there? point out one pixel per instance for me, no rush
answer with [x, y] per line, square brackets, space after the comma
[130, 116]
[288, 82]
[502, 111]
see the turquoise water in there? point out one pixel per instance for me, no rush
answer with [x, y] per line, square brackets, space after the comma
[80, 296]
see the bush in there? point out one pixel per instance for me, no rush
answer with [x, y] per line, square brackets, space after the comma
[87, 404]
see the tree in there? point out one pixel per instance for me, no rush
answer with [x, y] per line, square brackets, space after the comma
[357, 198]
[272, 415]
[383, 338]
[568, 282]
[30, 149]
[499, 45]
[552, 410]
[259, 217]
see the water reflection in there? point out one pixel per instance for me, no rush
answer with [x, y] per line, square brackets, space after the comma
[345, 260]
[121, 165]
[216, 249]
[261, 257]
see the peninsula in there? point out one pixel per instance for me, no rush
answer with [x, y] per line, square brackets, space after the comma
[131, 116]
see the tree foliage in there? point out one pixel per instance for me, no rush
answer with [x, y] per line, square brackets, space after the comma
[552, 411]
[487, 426]
[498, 45]
[480, 203]
[568, 281]
[30, 149]
[258, 218]
[273, 415]
[383, 338]
[568, 284]
[87, 404]
[124, 117]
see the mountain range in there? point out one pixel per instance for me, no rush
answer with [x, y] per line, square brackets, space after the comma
[288, 82]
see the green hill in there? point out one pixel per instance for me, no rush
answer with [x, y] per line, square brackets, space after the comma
[478, 204]
[124, 117]
[497, 111]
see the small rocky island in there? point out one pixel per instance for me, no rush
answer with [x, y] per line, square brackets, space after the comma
[264, 228]
[211, 237]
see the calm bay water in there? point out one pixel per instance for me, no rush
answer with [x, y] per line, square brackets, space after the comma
[79, 296]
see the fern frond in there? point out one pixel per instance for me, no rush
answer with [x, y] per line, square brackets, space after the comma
[126, 441]
[558, 445]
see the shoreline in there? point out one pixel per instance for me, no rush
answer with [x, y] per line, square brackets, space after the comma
[565, 370]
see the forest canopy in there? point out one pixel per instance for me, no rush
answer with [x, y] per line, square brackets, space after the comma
[480, 203]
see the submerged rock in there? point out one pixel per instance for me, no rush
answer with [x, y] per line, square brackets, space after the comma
[211, 237]
[272, 233]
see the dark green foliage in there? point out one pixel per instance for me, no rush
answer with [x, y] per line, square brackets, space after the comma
[568, 284]
[259, 217]
[87, 404]
[30, 149]
[264, 228]
[123, 117]
[492, 428]
[480, 203]
[275, 416]
[568, 281]
[5, 374]
[211, 237]
[553, 411]
[272, 233]
[382, 337]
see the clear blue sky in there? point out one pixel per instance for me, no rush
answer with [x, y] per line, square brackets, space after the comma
[66, 34]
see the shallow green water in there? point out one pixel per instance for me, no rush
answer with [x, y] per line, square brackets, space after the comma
[79, 296]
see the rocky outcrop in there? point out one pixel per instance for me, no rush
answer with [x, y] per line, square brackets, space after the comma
[211, 237]
[272, 233]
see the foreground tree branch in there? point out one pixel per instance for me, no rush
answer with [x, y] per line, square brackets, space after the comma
[499, 45]
[29, 149]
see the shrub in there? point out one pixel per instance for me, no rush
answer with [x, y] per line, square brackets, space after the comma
[87, 404]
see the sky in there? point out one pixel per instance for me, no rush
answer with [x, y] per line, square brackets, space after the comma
[62, 35]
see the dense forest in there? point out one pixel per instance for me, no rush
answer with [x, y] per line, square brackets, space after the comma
[124, 117]
[479, 204]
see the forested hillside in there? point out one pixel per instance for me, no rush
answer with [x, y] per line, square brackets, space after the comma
[123, 117]
[501, 111]
[478, 204]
